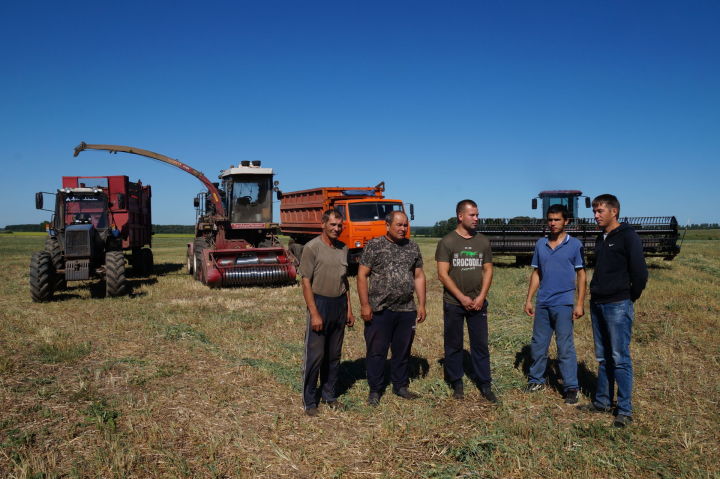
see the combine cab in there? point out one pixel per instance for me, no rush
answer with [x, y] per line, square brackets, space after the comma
[236, 242]
[517, 236]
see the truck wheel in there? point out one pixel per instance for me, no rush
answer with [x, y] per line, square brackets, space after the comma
[42, 274]
[52, 246]
[148, 264]
[115, 282]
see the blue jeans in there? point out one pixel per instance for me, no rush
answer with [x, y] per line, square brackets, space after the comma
[547, 320]
[612, 329]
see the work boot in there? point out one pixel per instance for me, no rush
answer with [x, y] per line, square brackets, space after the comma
[571, 396]
[405, 393]
[594, 408]
[458, 389]
[622, 420]
[312, 412]
[487, 392]
[373, 399]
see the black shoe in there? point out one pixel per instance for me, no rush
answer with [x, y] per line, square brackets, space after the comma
[622, 420]
[373, 399]
[458, 389]
[534, 387]
[405, 393]
[595, 408]
[312, 412]
[571, 396]
[488, 394]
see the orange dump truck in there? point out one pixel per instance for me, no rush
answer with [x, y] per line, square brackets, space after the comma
[363, 211]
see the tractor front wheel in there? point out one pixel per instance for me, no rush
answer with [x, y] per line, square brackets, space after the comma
[52, 246]
[42, 277]
[115, 281]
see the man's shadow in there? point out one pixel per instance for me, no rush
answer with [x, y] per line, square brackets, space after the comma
[353, 371]
[587, 379]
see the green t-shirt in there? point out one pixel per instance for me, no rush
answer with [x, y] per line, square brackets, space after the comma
[325, 267]
[466, 257]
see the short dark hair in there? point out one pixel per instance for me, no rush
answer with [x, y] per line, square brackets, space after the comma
[609, 200]
[464, 204]
[331, 212]
[391, 216]
[557, 208]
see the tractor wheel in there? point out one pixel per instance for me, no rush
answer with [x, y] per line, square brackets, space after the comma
[42, 275]
[115, 282]
[195, 268]
[198, 263]
[146, 258]
[189, 260]
[52, 246]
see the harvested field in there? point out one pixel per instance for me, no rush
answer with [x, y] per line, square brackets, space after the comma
[178, 380]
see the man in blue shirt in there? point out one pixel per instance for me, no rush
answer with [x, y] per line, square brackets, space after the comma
[558, 270]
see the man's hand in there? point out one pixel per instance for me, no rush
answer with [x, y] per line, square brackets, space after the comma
[366, 312]
[466, 302]
[316, 322]
[478, 303]
[578, 312]
[421, 314]
[350, 320]
[529, 309]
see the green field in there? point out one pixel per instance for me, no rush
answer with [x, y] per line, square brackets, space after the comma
[178, 380]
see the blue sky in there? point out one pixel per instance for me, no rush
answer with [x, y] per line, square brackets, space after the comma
[493, 101]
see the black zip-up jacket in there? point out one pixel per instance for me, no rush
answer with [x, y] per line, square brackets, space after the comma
[620, 269]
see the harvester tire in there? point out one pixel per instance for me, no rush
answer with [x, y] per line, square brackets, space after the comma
[115, 281]
[197, 263]
[52, 246]
[42, 275]
[147, 261]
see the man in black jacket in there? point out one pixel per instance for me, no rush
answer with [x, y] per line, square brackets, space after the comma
[619, 279]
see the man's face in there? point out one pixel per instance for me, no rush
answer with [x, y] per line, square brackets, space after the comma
[333, 227]
[469, 218]
[556, 223]
[604, 215]
[398, 228]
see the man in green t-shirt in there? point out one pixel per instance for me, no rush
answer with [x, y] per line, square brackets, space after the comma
[464, 264]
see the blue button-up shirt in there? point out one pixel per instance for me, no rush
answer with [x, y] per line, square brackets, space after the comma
[557, 268]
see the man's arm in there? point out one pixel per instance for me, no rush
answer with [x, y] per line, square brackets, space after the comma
[443, 270]
[479, 302]
[362, 287]
[532, 289]
[637, 267]
[316, 321]
[579, 310]
[420, 291]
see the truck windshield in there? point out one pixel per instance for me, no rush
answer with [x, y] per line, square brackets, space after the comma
[86, 209]
[251, 199]
[372, 211]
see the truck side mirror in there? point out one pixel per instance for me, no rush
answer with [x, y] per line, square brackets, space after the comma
[412, 212]
[38, 200]
[534, 203]
[196, 202]
[121, 201]
[587, 202]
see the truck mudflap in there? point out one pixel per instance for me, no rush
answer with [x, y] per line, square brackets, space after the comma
[249, 267]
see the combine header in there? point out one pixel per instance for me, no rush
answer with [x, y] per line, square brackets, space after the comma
[517, 236]
[236, 241]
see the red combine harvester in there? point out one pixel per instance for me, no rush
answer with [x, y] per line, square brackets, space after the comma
[96, 219]
[236, 243]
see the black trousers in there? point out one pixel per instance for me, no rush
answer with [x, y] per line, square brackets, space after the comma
[323, 350]
[389, 329]
[454, 318]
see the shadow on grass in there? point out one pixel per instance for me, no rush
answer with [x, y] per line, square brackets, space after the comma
[587, 379]
[353, 371]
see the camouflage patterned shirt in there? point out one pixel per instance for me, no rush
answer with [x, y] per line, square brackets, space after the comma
[392, 273]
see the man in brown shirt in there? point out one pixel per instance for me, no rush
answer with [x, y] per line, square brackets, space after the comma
[464, 264]
[325, 288]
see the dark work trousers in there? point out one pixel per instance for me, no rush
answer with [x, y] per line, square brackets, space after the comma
[394, 330]
[323, 350]
[454, 317]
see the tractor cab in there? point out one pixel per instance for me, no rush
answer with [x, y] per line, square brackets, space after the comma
[82, 206]
[248, 193]
[567, 198]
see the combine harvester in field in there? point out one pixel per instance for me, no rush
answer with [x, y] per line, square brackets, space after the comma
[96, 219]
[517, 236]
[236, 241]
[363, 210]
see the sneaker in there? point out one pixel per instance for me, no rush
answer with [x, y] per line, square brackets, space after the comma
[373, 399]
[312, 412]
[594, 408]
[405, 393]
[622, 420]
[534, 387]
[488, 394]
[458, 389]
[571, 396]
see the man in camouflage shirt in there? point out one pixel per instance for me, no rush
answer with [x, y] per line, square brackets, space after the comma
[393, 265]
